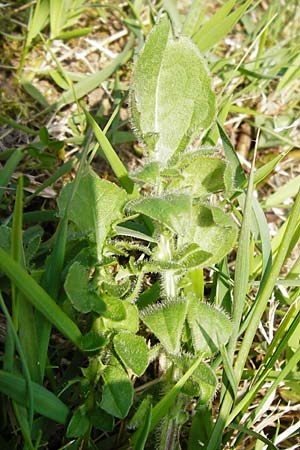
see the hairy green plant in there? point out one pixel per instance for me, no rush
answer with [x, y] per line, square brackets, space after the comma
[122, 278]
[173, 231]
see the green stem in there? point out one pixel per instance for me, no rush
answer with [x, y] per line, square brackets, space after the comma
[165, 254]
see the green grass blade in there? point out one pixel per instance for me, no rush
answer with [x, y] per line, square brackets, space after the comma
[240, 181]
[21, 416]
[51, 283]
[290, 75]
[237, 170]
[264, 294]
[39, 216]
[58, 17]
[23, 314]
[29, 393]
[283, 193]
[17, 126]
[287, 327]
[242, 267]
[140, 437]
[45, 402]
[92, 81]
[275, 243]
[228, 368]
[254, 434]
[218, 17]
[268, 168]
[38, 20]
[111, 156]
[75, 33]
[258, 310]
[194, 18]
[264, 233]
[290, 365]
[171, 8]
[162, 407]
[34, 92]
[62, 170]
[8, 170]
[39, 298]
[209, 35]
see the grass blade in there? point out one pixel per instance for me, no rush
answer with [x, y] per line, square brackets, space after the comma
[242, 266]
[62, 170]
[27, 378]
[38, 20]
[23, 315]
[92, 81]
[256, 435]
[282, 336]
[51, 283]
[161, 408]
[8, 170]
[45, 402]
[258, 310]
[39, 298]
[194, 18]
[111, 156]
[210, 34]
[283, 193]
[237, 170]
[57, 17]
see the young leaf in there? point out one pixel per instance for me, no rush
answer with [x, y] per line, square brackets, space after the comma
[209, 326]
[96, 205]
[79, 424]
[166, 321]
[129, 323]
[79, 291]
[93, 341]
[189, 257]
[84, 297]
[149, 173]
[200, 175]
[133, 351]
[101, 420]
[171, 100]
[202, 383]
[215, 232]
[45, 402]
[173, 210]
[117, 393]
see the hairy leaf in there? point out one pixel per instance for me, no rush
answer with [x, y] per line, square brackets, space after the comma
[166, 321]
[173, 210]
[80, 291]
[133, 351]
[129, 323]
[84, 297]
[214, 232]
[203, 382]
[117, 395]
[95, 206]
[209, 326]
[171, 100]
[201, 175]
